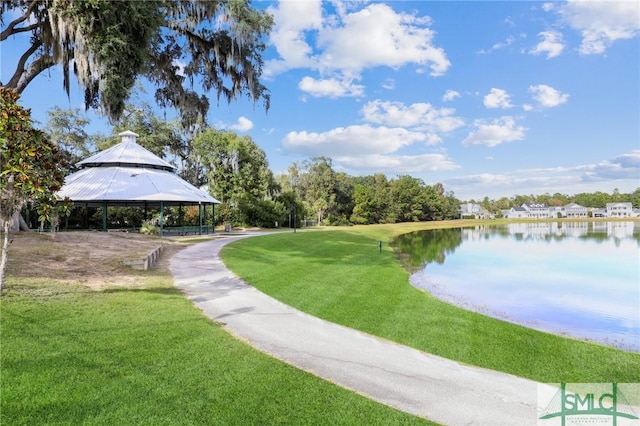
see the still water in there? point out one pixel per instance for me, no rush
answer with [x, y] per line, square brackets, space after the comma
[580, 279]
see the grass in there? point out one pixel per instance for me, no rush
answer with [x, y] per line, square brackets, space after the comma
[340, 276]
[74, 355]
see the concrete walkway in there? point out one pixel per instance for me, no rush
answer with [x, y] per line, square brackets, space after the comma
[412, 381]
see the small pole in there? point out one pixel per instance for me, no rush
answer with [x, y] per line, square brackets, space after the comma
[379, 246]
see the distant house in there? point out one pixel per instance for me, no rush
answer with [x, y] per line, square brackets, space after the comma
[557, 211]
[515, 213]
[619, 210]
[572, 210]
[473, 210]
[537, 211]
[575, 210]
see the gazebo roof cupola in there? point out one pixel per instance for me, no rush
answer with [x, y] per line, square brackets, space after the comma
[127, 154]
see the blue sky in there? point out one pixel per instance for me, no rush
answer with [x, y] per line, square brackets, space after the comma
[489, 98]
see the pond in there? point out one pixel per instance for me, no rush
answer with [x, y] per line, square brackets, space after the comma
[580, 279]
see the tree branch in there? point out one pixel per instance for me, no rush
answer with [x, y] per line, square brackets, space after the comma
[24, 74]
[36, 67]
[21, 30]
[10, 28]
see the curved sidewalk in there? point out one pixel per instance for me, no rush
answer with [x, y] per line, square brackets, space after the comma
[439, 389]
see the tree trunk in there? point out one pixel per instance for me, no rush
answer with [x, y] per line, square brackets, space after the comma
[22, 224]
[5, 255]
[16, 223]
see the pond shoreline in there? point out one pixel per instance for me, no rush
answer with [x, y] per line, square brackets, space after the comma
[533, 275]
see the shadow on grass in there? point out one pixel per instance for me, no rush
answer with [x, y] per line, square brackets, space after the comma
[169, 291]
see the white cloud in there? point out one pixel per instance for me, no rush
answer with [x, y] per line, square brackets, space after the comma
[547, 6]
[551, 44]
[331, 87]
[496, 132]
[625, 166]
[379, 36]
[369, 149]
[180, 67]
[243, 125]
[499, 185]
[547, 96]
[349, 42]
[389, 84]
[421, 116]
[433, 139]
[601, 23]
[622, 171]
[399, 164]
[481, 179]
[508, 42]
[351, 141]
[450, 95]
[501, 44]
[293, 19]
[497, 98]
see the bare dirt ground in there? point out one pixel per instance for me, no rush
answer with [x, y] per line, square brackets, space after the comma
[89, 258]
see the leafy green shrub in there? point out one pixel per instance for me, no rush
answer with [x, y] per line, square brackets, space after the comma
[149, 227]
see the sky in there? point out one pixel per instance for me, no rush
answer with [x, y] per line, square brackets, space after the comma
[489, 98]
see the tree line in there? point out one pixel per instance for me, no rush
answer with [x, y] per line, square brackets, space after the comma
[235, 170]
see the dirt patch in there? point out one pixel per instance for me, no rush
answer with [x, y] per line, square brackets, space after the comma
[90, 258]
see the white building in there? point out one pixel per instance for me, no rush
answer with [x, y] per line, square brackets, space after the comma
[473, 210]
[575, 210]
[619, 210]
[537, 211]
[515, 213]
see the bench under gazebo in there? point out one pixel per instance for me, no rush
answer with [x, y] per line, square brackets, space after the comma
[129, 175]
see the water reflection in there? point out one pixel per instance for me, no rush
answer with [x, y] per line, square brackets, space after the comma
[419, 248]
[576, 278]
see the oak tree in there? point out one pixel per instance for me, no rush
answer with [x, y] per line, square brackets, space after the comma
[237, 171]
[178, 45]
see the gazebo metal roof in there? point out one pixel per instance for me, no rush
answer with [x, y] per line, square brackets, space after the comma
[129, 175]
[126, 153]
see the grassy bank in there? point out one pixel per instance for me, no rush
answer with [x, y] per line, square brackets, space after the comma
[71, 354]
[339, 275]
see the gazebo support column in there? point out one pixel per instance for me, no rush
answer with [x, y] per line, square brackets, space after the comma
[199, 218]
[104, 216]
[161, 217]
[206, 224]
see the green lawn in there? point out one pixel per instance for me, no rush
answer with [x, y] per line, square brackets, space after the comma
[340, 276]
[70, 355]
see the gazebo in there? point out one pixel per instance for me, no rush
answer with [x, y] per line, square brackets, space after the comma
[129, 175]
